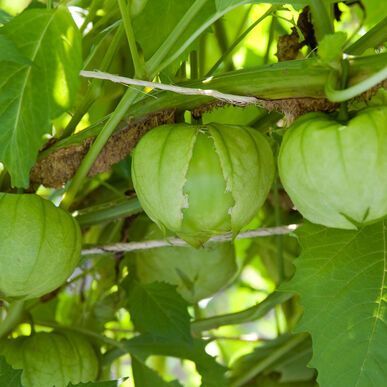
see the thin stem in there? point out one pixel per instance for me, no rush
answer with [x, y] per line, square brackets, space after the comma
[373, 38]
[95, 87]
[221, 35]
[14, 317]
[238, 40]
[270, 40]
[137, 61]
[320, 18]
[49, 4]
[244, 316]
[176, 242]
[195, 35]
[343, 112]
[278, 238]
[153, 64]
[97, 146]
[335, 95]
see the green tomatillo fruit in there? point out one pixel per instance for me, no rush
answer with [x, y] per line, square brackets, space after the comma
[52, 359]
[197, 273]
[40, 246]
[336, 174]
[202, 180]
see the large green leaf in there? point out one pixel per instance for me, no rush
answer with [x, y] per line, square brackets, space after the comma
[30, 96]
[341, 278]
[157, 308]
[10, 53]
[9, 377]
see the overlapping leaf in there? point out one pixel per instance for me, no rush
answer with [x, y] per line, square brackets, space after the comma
[9, 377]
[341, 278]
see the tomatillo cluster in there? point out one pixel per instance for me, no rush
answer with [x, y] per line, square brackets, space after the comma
[40, 246]
[336, 174]
[201, 180]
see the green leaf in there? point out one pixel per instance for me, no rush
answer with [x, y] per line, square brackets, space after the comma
[330, 49]
[9, 377]
[145, 376]
[10, 53]
[158, 19]
[340, 277]
[157, 308]
[212, 372]
[30, 96]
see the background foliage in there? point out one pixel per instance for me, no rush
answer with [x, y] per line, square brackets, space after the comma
[326, 325]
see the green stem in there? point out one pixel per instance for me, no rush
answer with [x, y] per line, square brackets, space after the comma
[343, 112]
[247, 315]
[238, 40]
[97, 146]
[95, 87]
[270, 40]
[153, 64]
[49, 4]
[269, 360]
[221, 35]
[278, 238]
[335, 95]
[320, 18]
[14, 317]
[373, 38]
[137, 62]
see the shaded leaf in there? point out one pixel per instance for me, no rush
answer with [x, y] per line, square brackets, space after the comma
[32, 95]
[10, 53]
[145, 376]
[330, 49]
[9, 377]
[157, 308]
[340, 277]
[212, 373]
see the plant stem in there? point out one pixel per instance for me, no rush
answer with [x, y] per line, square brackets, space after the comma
[137, 62]
[49, 4]
[238, 40]
[95, 87]
[100, 141]
[374, 37]
[14, 317]
[270, 39]
[335, 95]
[320, 18]
[97, 146]
[247, 315]
[278, 238]
[152, 65]
[343, 112]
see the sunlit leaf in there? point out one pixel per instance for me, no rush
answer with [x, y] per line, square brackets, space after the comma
[30, 96]
[342, 282]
